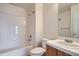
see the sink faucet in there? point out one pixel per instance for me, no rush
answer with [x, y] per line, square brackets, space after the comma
[68, 40]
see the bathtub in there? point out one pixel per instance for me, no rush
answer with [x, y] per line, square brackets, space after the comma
[22, 51]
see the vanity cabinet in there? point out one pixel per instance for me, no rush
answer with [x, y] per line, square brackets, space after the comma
[51, 51]
[60, 53]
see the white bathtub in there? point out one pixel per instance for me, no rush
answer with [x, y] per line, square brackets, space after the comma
[24, 51]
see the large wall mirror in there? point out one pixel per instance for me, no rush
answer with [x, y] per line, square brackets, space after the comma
[68, 19]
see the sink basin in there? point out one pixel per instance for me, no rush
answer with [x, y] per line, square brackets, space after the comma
[70, 45]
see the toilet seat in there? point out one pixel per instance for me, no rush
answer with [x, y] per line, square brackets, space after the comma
[38, 51]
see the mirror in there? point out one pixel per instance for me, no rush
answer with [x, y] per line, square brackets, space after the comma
[68, 19]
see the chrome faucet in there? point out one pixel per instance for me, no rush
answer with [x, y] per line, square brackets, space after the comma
[68, 41]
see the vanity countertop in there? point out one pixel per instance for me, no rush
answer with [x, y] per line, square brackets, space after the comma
[74, 51]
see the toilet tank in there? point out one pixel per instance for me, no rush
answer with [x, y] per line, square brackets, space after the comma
[44, 41]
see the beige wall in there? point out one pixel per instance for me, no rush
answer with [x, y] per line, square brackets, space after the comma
[31, 26]
[39, 21]
[50, 21]
[44, 23]
[31, 29]
[35, 24]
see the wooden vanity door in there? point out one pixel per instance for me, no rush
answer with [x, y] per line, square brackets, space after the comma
[50, 51]
[60, 53]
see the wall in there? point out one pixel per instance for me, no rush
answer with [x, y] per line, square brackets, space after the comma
[31, 25]
[31, 22]
[50, 20]
[65, 23]
[12, 26]
[39, 22]
[35, 24]
[44, 20]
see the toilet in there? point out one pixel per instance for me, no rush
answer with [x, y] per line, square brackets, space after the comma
[39, 51]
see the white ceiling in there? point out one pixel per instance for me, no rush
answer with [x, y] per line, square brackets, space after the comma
[64, 6]
[24, 5]
[61, 6]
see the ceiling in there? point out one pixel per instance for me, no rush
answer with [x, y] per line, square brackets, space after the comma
[64, 6]
[61, 6]
[24, 5]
